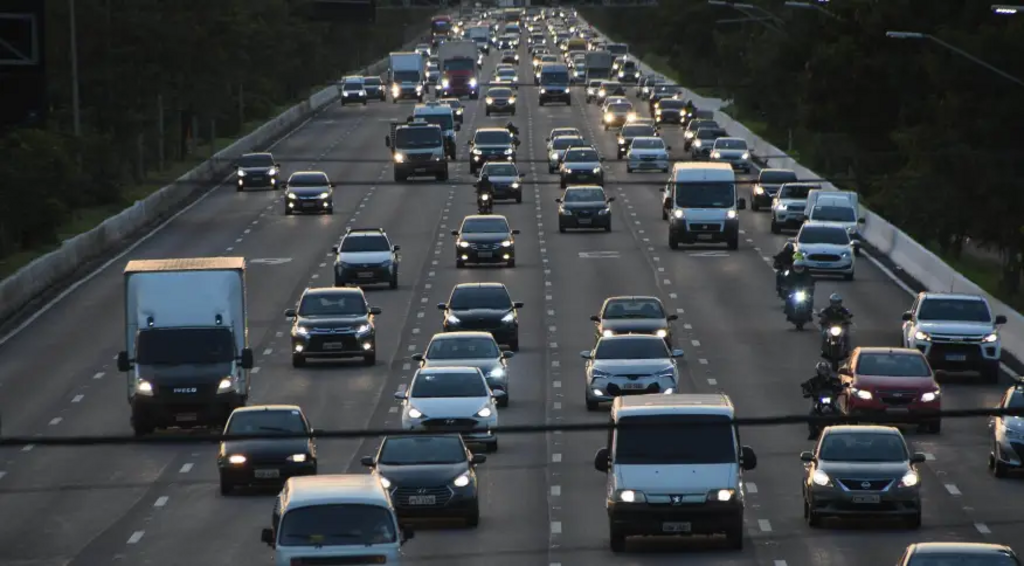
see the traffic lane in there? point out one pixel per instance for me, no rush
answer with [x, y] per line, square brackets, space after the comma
[335, 396]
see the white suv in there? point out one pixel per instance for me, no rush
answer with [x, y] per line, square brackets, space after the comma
[955, 332]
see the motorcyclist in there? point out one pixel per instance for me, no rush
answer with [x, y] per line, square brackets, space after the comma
[823, 384]
[512, 129]
[484, 187]
[783, 262]
[799, 277]
[690, 109]
[834, 314]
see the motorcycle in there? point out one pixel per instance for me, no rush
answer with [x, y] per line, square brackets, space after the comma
[780, 281]
[833, 347]
[484, 203]
[799, 307]
[823, 403]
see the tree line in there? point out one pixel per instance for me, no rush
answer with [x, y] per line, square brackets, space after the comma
[157, 80]
[929, 138]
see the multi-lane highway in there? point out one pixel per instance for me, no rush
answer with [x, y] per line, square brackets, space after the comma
[543, 502]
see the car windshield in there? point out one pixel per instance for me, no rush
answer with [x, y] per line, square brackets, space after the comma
[500, 93]
[467, 298]
[549, 58]
[675, 440]
[337, 525]
[467, 383]
[584, 195]
[620, 107]
[632, 348]
[834, 214]
[777, 177]
[407, 77]
[500, 170]
[452, 103]
[463, 348]
[967, 559]
[353, 86]
[696, 125]
[633, 308]
[308, 180]
[184, 346]
[365, 244]
[412, 450]
[612, 86]
[648, 143]
[558, 132]
[595, 84]
[823, 235]
[554, 78]
[895, 365]
[636, 131]
[863, 447]
[332, 304]
[286, 421]
[969, 310]
[565, 142]
[372, 81]
[444, 121]
[1016, 400]
[493, 137]
[671, 104]
[795, 192]
[485, 226]
[710, 133]
[506, 73]
[730, 144]
[582, 156]
[417, 137]
[257, 160]
[705, 195]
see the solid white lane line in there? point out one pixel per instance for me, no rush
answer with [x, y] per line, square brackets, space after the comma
[185, 468]
[953, 489]
[255, 370]
[161, 501]
[78, 398]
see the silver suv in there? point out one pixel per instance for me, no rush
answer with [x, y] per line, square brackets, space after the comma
[629, 364]
[365, 256]
[955, 332]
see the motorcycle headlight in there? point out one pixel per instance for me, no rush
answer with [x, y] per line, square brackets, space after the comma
[862, 394]
[622, 141]
[991, 338]
[800, 296]
[324, 195]
[922, 336]
[688, 135]
[485, 198]
[414, 413]
[462, 481]
[363, 329]
[825, 400]
[484, 413]
[731, 214]
[821, 478]
[506, 244]
[930, 396]
[697, 143]
[298, 458]
[399, 158]
[661, 333]
[910, 479]
[835, 330]
[452, 319]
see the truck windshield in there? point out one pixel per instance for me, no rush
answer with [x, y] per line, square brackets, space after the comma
[554, 78]
[459, 65]
[417, 137]
[181, 346]
[705, 195]
[675, 439]
[337, 525]
[407, 77]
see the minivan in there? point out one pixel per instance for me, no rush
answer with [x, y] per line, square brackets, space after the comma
[346, 517]
[701, 206]
[675, 468]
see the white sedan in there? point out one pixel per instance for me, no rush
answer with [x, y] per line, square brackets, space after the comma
[451, 399]
[648, 153]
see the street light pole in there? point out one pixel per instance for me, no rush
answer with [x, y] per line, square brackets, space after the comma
[76, 114]
[1006, 9]
[954, 49]
[809, 6]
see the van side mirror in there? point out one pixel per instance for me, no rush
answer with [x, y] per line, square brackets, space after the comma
[123, 363]
[585, 354]
[748, 459]
[908, 316]
[455, 232]
[396, 248]
[678, 353]
[458, 127]
[672, 317]
[289, 313]
[507, 354]
[335, 250]
[387, 141]
[367, 461]
[806, 456]
[400, 395]
[610, 199]
[558, 200]
[246, 359]
[515, 232]
[267, 537]
[1000, 319]
[917, 458]
[417, 357]
[442, 306]
[602, 460]
[741, 204]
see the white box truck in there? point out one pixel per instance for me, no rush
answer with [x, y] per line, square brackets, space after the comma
[186, 341]
[406, 76]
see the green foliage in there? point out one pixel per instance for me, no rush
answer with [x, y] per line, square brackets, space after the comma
[232, 63]
[929, 137]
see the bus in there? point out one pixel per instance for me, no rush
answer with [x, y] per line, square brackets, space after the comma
[441, 25]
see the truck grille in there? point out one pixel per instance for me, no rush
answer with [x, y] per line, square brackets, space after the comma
[795, 207]
[823, 257]
[441, 496]
[939, 338]
[185, 392]
[940, 350]
[871, 485]
[482, 324]
[419, 156]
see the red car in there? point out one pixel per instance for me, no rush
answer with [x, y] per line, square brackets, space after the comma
[890, 382]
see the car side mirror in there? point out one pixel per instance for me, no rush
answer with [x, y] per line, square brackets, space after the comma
[375, 311]
[595, 318]
[741, 204]
[455, 232]
[387, 141]
[518, 142]
[335, 250]
[442, 306]
[917, 458]
[332, 184]
[861, 220]
[661, 190]
[806, 456]
[602, 460]
[400, 395]
[586, 355]
[123, 363]
[611, 199]
[476, 184]
[289, 313]
[558, 200]
[507, 354]
[668, 148]
[267, 537]
[908, 316]
[368, 461]
[678, 353]
[246, 359]
[672, 317]
[515, 232]
[416, 357]
[396, 248]
[748, 459]
[478, 459]
[1000, 319]
[547, 139]
[408, 534]
[601, 159]
[518, 304]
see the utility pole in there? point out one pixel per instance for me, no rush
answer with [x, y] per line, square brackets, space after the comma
[76, 115]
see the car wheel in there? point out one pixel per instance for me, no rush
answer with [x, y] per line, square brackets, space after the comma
[370, 359]
[561, 228]
[519, 198]
[240, 188]
[999, 469]
[493, 447]
[473, 518]
[459, 264]
[329, 211]
[811, 516]
[848, 277]
[287, 211]
[617, 540]
[142, 427]
[503, 402]
[673, 242]
[298, 360]
[775, 227]
[734, 244]
[592, 405]
[734, 538]
[225, 487]
[754, 207]
[394, 281]
[513, 344]
[511, 263]
[608, 227]
[914, 521]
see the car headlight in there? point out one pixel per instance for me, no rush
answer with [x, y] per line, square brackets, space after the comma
[363, 329]
[596, 170]
[602, 92]
[835, 330]
[463, 244]
[622, 141]
[554, 156]
[608, 117]
[922, 336]
[237, 459]
[821, 478]
[477, 152]
[225, 384]
[419, 88]
[144, 387]
[445, 83]
[862, 394]
[414, 413]
[324, 195]
[662, 333]
[484, 413]
[506, 244]
[730, 214]
[297, 458]
[508, 151]
[590, 92]
[697, 143]
[385, 482]
[291, 196]
[630, 496]
[461, 110]
[512, 100]
[496, 373]
[242, 173]
[452, 319]
[607, 333]
[461, 481]
[910, 479]
[758, 190]
[599, 374]
[716, 155]
[678, 213]
[721, 495]
[991, 338]
[930, 396]
[399, 158]
[746, 155]
[301, 330]
[509, 318]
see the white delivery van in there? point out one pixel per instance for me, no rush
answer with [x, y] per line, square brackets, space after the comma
[701, 205]
[836, 207]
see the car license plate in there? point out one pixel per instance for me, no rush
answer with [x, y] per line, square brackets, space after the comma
[676, 527]
[585, 220]
[366, 274]
[484, 254]
[421, 169]
[422, 500]
[705, 236]
[186, 417]
[897, 410]
[866, 498]
[634, 386]
[333, 345]
[267, 474]
[956, 357]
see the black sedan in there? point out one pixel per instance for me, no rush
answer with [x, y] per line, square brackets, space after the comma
[500, 100]
[429, 476]
[584, 207]
[485, 238]
[309, 191]
[634, 315]
[333, 322]
[257, 170]
[486, 307]
[265, 462]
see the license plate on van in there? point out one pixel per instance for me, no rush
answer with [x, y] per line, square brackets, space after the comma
[705, 236]
[676, 527]
[867, 499]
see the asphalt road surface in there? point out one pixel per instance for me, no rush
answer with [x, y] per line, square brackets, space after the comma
[542, 499]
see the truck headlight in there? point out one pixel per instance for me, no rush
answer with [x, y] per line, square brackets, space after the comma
[472, 82]
[363, 329]
[930, 396]
[399, 158]
[991, 338]
[237, 459]
[731, 214]
[630, 496]
[298, 458]
[922, 336]
[721, 495]
[225, 384]
[144, 387]
[678, 213]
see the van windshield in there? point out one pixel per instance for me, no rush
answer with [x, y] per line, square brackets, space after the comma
[675, 439]
[337, 525]
[705, 195]
[183, 346]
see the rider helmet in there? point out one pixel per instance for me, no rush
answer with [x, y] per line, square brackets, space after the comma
[823, 369]
[835, 300]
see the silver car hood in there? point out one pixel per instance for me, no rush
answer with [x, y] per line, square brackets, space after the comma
[648, 152]
[955, 327]
[823, 248]
[448, 407]
[622, 367]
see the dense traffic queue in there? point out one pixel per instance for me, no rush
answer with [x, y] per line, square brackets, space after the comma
[465, 376]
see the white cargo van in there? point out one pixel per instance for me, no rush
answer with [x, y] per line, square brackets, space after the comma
[701, 205]
[836, 207]
[675, 468]
[335, 519]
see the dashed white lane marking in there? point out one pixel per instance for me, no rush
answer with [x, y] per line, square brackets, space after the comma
[703, 362]
[78, 398]
[415, 330]
[556, 527]
[556, 364]
[185, 468]
[557, 406]
[780, 563]
[953, 489]
[136, 537]
[556, 384]
[2, 474]
[28, 447]
[556, 457]
[278, 334]
[268, 351]
[680, 311]
[556, 490]
[673, 296]
[420, 315]
[712, 381]
[255, 370]
[666, 282]
[56, 421]
[765, 525]
[983, 528]
[929, 457]
[98, 375]
[696, 343]
[751, 487]
[412, 347]
[406, 367]
[393, 409]
[688, 326]
[315, 276]
[161, 501]
[553, 345]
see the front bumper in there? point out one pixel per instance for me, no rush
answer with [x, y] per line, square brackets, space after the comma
[354, 98]
[762, 198]
[878, 411]
[426, 167]
[481, 158]
[334, 345]
[407, 92]
[705, 231]
[836, 502]
[453, 90]
[607, 389]
[358, 274]
[555, 95]
[670, 118]
[314, 205]
[844, 266]
[648, 164]
[738, 164]
[582, 176]
[490, 255]
[789, 218]
[261, 181]
[509, 108]
[640, 519]
[958, 356]
[503, 334]
[507, 191]
[166, 410]
[614, 122]
[449, 502]
[584, 220]
[1011, 452]
[264, 473]
[477, 433]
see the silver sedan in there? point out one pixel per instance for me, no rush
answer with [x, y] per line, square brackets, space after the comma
[629, 364]
[648, 154]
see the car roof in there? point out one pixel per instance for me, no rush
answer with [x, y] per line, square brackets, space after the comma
[731, 139]
[478, 130]
[854, 429]
[461, 334]
[266, 408]
[822, 224]
[952, 296]
[684, 403]
[328, 489]
[583, 188]
[488, 285]
[334, 291]
[310, 173]
[622, 337]
[484, 216]
[888, 350]
[633, 298]
[978, 548]
[449, 369]
[645, 138]
[259, 154]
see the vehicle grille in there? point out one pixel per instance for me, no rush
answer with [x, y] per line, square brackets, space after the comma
[485, 246]
[342, 330]
[940, 350]
[617, 391]
[339, 560]
[441, 494]
[858, 485]
[477, 324]
[795, 207]
[898, 398]
[316, 343]
[201, 390]
[823, 257]
[457, 81]
[419, 156]
[705, 227]
[955, 339]
[454, 425]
